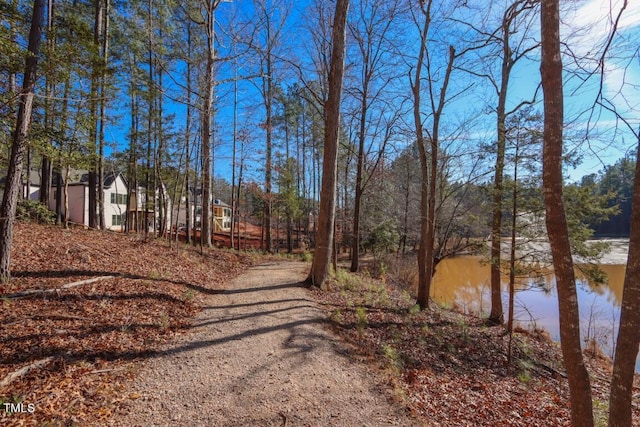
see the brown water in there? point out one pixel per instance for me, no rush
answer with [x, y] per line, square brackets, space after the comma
[464, 282]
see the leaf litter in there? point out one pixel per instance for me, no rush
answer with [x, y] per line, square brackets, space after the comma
[83, 341]
[449, 368]
[86, 342]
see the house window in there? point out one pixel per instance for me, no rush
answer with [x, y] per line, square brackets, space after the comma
[118, 199]
[118, 219]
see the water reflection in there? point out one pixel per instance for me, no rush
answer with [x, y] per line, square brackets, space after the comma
[464, 283]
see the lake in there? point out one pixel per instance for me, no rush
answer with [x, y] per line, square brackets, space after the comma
[464, 283]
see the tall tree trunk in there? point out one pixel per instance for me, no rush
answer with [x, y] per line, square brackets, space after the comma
[149, 198]
[290, 179]
[357, 201]
[508, 60]
[268, 99]
[160, 148]
[629, 331]
[497, 315]
[13, 76]
[27, 191]
[45, 180]
[207, 113]
[187, 140]
[557, 229]
[132, 193]
[326, 218]
[428, 161]
[103, 111]
[62, 201]
[13, 182]
[416, 89]
[59, 195]
[355, 243]
[67, 173]
[239, 186]
[93, 112]
[512, 253]
[234, 199]
[196, 184]
[46, 172]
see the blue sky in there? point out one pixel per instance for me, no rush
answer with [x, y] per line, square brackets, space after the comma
[586, 26]
[586, 29]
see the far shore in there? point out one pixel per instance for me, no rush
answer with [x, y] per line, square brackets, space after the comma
[615, 255]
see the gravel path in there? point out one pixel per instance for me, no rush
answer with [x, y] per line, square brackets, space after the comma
[260, 355]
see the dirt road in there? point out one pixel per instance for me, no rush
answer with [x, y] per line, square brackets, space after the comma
[260, 354]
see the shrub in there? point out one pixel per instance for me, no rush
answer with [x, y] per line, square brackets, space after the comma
[383, 238]
[31, 210]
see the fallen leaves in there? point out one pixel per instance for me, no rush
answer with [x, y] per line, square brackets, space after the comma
[451, 369]
[92, 333]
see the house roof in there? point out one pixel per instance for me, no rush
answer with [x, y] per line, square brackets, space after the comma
[109, 178]
[76, 177]
[34, 177]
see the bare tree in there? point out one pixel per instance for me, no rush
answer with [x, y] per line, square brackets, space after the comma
[428, 154]
[326, 217]
[511, 52]
[207, 13]
[557, 228]
[370, 32]
[23, 123]
[271, 19]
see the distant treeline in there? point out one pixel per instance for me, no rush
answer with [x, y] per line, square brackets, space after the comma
[618, 225]
[616, 180]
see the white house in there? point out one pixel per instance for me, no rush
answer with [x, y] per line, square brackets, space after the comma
[115, 189]
[138, 209]
[220, 210]
[116, 213]
[221, 216]
[114, 196]
[30, 186]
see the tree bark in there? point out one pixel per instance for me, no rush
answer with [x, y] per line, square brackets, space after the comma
[429, 163]
[509, 59]
[557, 228]
[93, 112]
[149, 195]
[268, 104]
[629, 332]
[103, 111]
[423, 281]
[207, 113]
[187, 141]
[46, 171]
[234, 200]
[497, 316]
[359, 190]
[23, 123]
[326, 217]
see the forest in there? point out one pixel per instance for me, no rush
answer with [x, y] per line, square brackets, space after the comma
[437, 126]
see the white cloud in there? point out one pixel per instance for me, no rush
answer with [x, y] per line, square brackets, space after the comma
[604, 13]
[587, 25]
